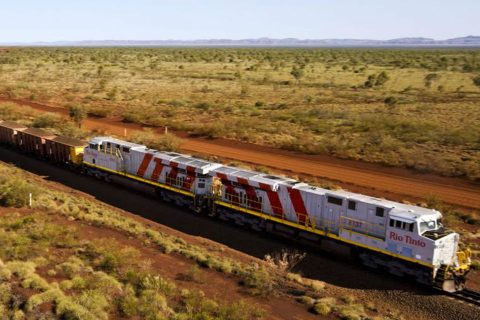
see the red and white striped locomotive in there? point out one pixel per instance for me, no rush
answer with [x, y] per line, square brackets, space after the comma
[406, 239]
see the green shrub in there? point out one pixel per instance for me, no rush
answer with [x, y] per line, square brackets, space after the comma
[98, 112]
[164, 142]
[21, 269]
[193, 274]
[46, 120]
[158, 284]
[153, 305]
[15, 192]
[34, 281]
[316, 285]
[306, 300]
[258, 280]
[324, 306]
[71, 267]
[241, 310]
[128, 302]
[94, 301]
[351, 312]
[5, 293]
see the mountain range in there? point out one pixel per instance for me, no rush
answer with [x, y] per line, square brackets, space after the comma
[468, 41]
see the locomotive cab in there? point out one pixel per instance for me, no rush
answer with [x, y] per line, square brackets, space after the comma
[421, 236]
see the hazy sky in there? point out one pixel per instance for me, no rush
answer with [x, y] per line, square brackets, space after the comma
[51, 20]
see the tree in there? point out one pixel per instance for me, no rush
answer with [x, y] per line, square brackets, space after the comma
[370, 81]
[382, 78]
[430, 79]
[297, 73]
[476, 81]
[374, 80]
[77, 113]
[390, 102]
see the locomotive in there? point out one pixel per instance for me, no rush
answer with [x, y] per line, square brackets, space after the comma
[406, 240]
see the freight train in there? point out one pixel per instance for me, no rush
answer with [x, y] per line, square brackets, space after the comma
[406, 240]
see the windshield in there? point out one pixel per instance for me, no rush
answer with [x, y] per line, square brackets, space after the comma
[427, 226]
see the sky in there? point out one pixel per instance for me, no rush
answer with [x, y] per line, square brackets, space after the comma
[59, 20]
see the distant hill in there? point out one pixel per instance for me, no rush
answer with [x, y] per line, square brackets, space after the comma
[469, 41]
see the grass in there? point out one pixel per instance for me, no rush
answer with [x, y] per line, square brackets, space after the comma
[69, 276]
[407, 108]
[94, 279]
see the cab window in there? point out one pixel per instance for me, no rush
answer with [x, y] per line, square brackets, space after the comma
[352, 205]
[380, 212]
[334, 200]
[397, 224]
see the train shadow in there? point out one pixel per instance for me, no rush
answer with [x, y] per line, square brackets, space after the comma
[328, 267]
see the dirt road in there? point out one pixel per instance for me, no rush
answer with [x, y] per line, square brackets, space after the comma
[368, 178]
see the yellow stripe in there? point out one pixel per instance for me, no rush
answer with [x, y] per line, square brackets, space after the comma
[141, 179]
[267, 217]
[320, 232]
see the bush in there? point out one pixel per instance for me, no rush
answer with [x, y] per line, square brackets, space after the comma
[351, 312]
[15, 192]
[98, 112]
[193, 274]
[164, 142]
[258, 280]
[324, 306]
[306, 300]
[34, 281]
[71, 267]
[476, 81]
[21, 269]
[47, 120]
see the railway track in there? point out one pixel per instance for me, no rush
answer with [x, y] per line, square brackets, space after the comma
[470, 296]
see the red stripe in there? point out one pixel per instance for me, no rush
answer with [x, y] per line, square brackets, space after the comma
[265, 186]
[233, 194]
[187, 183]
[172, 176]
[275, 203]
[173, 164]
[242, 181]
[144, 165]
[298, 204]
[222, 176]
[190, 169]
[158, 169]
[253, 198]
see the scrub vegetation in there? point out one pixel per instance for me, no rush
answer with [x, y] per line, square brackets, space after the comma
[408, 108]
[71, 257]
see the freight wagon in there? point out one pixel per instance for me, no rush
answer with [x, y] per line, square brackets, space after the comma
[9, 131]
[65, 150]
[32, 140]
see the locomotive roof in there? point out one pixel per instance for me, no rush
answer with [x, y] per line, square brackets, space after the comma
[259, 177]
[401, 210]
[97, 140]
[398, 209]
[203, 165]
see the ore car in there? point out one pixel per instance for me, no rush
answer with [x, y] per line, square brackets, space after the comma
[32, 140]
[65, 150]
[9, 131]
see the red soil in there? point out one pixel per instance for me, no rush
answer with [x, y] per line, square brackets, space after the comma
[394, 183]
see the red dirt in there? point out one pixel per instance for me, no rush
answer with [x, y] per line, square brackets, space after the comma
[395, 183]
[221, 287]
